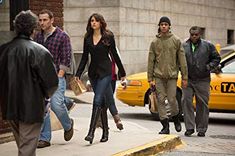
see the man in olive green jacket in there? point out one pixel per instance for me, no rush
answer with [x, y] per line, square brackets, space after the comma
[166, 58]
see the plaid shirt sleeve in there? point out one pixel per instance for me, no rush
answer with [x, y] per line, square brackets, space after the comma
[65, 58]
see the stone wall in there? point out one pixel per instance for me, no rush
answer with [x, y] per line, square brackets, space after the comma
[4, 27]
[4, 16]
[56, 6]
[134, 23]
[76, 14]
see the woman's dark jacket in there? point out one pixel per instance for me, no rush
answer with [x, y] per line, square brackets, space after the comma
[27, 76]
[202, 60]
[101, 63]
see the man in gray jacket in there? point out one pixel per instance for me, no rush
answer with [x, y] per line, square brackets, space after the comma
[201, 58]
[166, 58]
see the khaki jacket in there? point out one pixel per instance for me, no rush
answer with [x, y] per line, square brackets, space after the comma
[166, 58]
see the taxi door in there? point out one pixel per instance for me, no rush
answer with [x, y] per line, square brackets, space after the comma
[223, 88]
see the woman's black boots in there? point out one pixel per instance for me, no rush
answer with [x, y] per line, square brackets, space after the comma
[165, 125]
[104, 120]
[95, 115]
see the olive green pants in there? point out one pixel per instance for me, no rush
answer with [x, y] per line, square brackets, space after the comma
[166, 90]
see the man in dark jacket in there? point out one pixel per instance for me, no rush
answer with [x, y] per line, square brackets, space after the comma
[201, 58]
[27, 76]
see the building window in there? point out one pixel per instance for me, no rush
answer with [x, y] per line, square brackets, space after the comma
[230, 36]
[15, 8]
[203, 33]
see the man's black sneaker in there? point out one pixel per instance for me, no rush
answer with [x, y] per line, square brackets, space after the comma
[201, 134]
[42, 144]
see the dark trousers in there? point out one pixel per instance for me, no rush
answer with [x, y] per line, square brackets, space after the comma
[26, 136]
[199, 89]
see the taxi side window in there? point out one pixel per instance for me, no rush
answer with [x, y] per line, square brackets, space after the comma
[229, 67]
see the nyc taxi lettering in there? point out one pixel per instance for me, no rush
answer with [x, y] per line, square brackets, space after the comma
[224, 87]
[228, 87]
[215, 88]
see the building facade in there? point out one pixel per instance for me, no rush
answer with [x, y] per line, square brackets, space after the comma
[134, 23]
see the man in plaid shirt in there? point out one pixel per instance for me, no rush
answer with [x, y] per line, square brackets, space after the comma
[58, 43]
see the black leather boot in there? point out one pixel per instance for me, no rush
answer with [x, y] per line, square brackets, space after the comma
[177, 123]
[165, 129]
[104, 120]
[95, 115]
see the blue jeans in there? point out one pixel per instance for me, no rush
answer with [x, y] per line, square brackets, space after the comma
[67, 100]
[102, 88]
[108, 100]
[58, 107]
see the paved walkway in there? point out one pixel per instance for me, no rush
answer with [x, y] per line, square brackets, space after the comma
[133, 140]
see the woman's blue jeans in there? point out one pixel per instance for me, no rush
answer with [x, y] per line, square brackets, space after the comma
[59, 108]
[102, 89]
[111, 105]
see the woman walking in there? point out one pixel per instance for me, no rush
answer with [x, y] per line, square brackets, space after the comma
[100, 44]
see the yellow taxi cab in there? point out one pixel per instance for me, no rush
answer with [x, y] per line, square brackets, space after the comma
[222, 95]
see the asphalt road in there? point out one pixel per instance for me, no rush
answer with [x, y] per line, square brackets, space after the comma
[219, 140]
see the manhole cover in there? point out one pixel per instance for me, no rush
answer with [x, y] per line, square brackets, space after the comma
[231, 137]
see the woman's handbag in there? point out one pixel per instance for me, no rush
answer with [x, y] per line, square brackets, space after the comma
[153, 101]
[77, 86]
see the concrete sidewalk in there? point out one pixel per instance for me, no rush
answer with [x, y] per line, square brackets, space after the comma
[133, 140]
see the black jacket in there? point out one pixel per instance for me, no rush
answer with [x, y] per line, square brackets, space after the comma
[27, 76]
[101, 64]
[202, 60]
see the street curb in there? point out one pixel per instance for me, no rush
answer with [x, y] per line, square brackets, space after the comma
[167, 143]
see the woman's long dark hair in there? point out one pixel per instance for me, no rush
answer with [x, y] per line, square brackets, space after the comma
[106, 34]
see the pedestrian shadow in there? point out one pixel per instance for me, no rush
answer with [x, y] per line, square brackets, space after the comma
[138, 116]
[221, 121]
